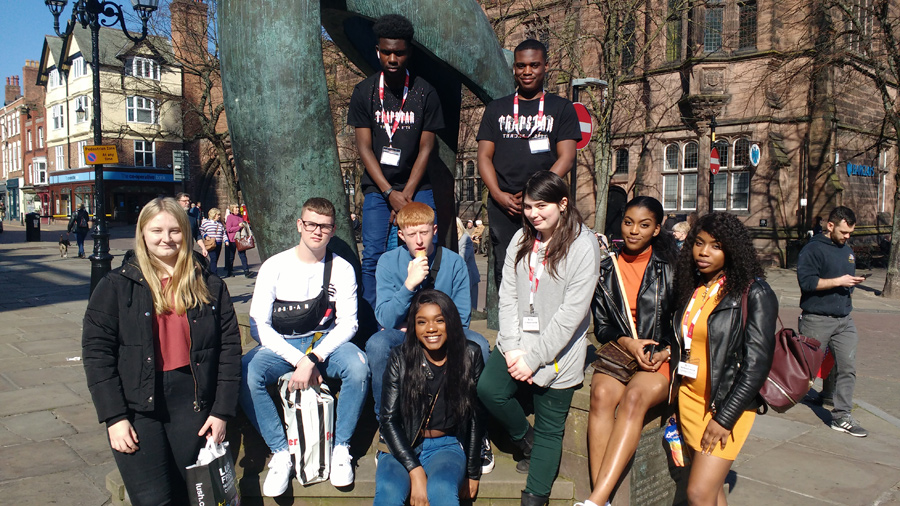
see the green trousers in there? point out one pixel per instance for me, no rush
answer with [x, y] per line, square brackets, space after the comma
[497, 390]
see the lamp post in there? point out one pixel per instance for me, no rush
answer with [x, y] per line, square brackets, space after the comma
[88, 13]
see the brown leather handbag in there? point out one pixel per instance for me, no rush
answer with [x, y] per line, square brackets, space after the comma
[244, 240]
[614, 360]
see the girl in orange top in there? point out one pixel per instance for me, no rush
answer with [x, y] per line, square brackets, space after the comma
[646, 264]
[725, 360]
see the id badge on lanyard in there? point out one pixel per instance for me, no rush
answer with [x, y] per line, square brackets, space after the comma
[688, 367]
[530, 321]
[538, 144]
[389, 154]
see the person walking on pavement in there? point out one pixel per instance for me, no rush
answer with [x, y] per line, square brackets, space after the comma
[194, 219]
[214, 229]
[233, 224]
[162, 357]
[826, 272]
[396, 114]
[81, 226]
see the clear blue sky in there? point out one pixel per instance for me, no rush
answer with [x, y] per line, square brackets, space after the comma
[23, 24]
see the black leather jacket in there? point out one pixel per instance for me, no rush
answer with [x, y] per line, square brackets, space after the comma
[656, 303]
[118, 347]
[399, 433]
[739, 360]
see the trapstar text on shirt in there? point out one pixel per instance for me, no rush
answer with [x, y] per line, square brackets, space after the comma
[405, 118]
[528, 125]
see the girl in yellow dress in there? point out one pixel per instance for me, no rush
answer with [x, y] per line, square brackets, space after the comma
[725, 359]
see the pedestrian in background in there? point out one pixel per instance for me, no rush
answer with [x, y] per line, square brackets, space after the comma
[551, 269]
[680, 231]
[162, 357]
[234, 223]
[826, 272]
[466, 250]
[213, 228]
[81, 226]
[725, 361]
[194, 218]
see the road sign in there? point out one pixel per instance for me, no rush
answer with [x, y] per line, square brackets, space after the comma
[754, 154]
[714, 161]
[587, 126]
[180, 163]
[96, 155]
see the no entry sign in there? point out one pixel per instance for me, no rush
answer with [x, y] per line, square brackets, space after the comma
[714, 161]
[587, 126]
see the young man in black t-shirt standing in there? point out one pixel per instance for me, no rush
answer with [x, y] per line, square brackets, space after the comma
[396, 115]
[521, 134]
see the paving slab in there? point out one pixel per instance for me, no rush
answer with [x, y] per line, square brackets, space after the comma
[64, 488]
[38, 426]
[8, 438]
[749, 492]
[93, 447]
[818, 474]
[37, 459]
[12, 337]
[47, 376]
[48, 346]
[773, 426]
[83, 417]
[28, 400]
[881, 446]
[19, 362]
[6, 385]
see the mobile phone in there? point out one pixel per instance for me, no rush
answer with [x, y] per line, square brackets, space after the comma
[866, 275]
[651, 349]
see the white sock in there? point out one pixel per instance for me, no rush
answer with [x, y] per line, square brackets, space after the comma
[588, 502]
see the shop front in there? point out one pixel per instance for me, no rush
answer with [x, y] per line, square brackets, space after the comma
[127, 190]
[12, 199]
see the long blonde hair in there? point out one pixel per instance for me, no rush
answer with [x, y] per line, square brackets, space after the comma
[187, 287]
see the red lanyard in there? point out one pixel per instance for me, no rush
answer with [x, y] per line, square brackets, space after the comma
[516, 115]
[384, 116]
[688, 331]
[534, 270]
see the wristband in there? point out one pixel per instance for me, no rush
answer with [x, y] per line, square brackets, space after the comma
[387, 193]
[313, 358]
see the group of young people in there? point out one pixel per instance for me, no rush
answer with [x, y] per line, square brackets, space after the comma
[163, 355]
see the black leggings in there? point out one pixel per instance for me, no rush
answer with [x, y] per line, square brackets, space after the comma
[167, 443]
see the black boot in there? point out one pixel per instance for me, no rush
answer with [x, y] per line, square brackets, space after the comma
[534, 500]
[525, 446]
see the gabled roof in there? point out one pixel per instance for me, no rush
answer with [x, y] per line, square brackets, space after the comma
[114, 46]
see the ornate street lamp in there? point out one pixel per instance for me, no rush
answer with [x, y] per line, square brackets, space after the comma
[88, 13]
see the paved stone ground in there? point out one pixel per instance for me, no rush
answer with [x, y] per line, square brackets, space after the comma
[53, 451]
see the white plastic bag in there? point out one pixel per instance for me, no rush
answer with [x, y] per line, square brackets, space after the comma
[309, 424]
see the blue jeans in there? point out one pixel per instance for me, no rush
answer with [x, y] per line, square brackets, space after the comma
[378, 349]
[80, 234]
[262, 366]
[444, 463]
[377, 236]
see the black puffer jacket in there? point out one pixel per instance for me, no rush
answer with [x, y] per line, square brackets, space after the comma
[656, 303]
[739, 359]
[399, 433]
[118, 347]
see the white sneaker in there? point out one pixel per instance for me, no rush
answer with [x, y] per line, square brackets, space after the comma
[341, 467]
[280, 469]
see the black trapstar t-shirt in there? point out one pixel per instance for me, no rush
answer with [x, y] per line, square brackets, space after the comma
[513, 159]
[421, 113]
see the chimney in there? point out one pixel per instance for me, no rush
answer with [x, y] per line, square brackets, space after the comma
[12, 91]
[34, 94]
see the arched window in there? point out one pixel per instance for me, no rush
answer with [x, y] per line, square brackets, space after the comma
[621, 161]
[691, 156]
[741, 153]
[689, 176]
[720, 187]
[672, 163]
